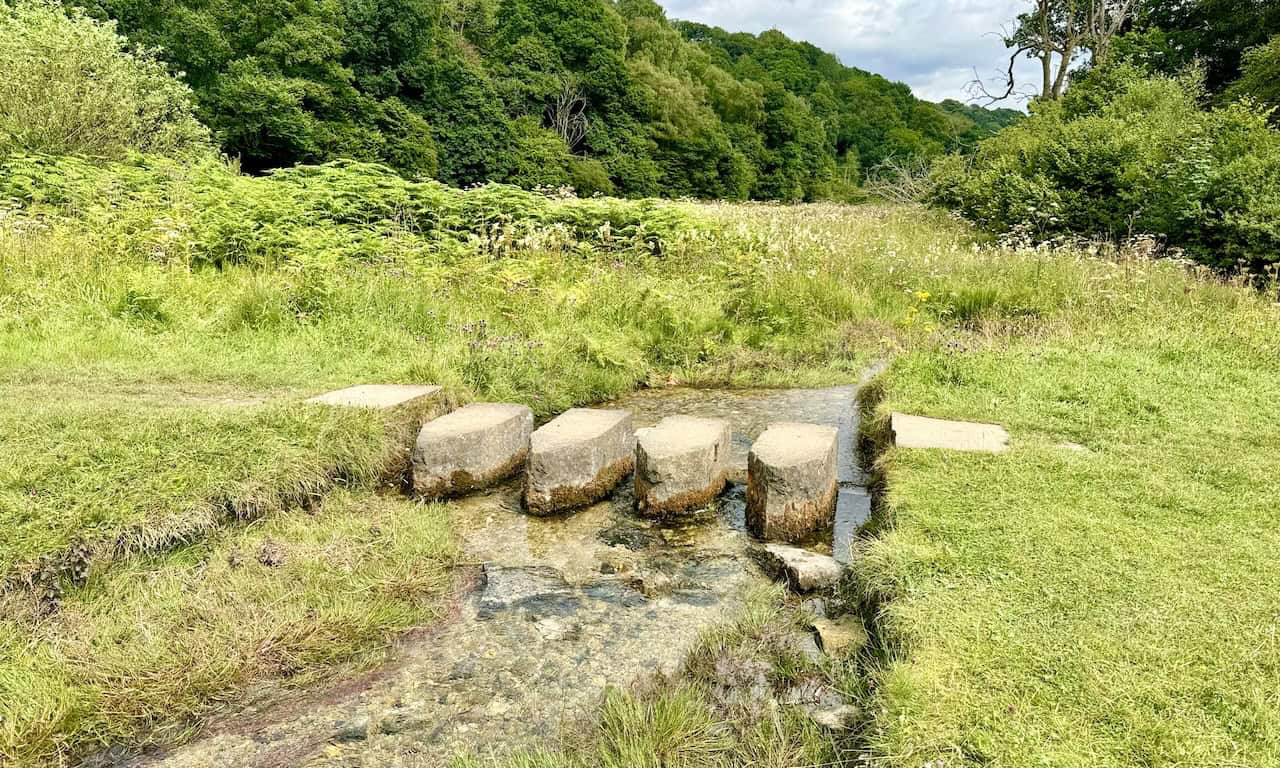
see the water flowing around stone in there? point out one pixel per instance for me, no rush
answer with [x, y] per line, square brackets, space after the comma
[560, 607]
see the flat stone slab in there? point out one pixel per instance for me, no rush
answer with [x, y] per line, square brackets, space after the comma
[377, 395]
[845, 634]
[804, 571]
[923, 432]
[471, 448]
[791, 481]
[682, 464]
[577, 458]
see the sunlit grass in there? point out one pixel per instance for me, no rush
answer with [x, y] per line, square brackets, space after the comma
[141, 651]
[1113, 606]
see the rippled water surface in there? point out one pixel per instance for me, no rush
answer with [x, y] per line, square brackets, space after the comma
[562, 608]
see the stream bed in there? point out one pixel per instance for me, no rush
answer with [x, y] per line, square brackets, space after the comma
[559, 609]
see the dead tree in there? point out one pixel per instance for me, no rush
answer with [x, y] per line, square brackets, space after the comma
[567, 114]
[1056, 32]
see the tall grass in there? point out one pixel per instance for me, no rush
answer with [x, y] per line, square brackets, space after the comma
[1044, 607]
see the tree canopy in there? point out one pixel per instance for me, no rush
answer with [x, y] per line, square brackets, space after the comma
[599, 95]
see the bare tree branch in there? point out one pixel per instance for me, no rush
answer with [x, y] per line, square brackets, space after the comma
[1055, 32]
[1010, 83]
[567, 114]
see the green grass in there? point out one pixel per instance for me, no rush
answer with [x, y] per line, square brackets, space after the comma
[1110, 607]
[84, 480]
[1044, 607]
[144, 650]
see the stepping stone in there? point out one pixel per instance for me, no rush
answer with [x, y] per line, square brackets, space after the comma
[377, 395]
[682, 464]
[577, 458]
[471, 448]
[791, 481]
[922, 432]
[803, 570]
[838, 635]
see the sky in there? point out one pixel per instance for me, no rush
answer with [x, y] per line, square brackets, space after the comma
[934, 46]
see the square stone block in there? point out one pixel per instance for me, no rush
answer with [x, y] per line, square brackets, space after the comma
[791, 481]
[471, 448]
[681, 464]
[577, 458]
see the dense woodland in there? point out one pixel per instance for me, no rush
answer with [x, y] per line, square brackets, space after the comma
[1151, 119]
[602, 96]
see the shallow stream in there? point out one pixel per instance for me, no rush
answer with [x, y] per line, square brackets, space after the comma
[562, 607]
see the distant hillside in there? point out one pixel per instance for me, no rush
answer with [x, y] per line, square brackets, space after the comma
[598, 95]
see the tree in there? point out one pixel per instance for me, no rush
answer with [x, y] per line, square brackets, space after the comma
[1055, 33]
[607, 95]
[72, 85]
[567, 114]
[1215, 34]
[1260, 79]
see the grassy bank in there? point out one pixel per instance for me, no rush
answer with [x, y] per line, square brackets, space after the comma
[159, 326]
[137, 650]
[1110, 606]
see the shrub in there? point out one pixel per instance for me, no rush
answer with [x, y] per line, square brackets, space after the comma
[1260, 78]
[590, 177]
[1125, 154]
[72, 85]
[205, 213]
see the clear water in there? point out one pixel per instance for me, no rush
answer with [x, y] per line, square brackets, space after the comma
[563, 607]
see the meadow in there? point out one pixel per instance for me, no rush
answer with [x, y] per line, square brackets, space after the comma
[176, 525]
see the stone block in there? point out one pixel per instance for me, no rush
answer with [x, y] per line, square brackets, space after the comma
[577, 458]
[471, 448]
[791, 481]
[377, 395]
[922, 432]
[804, 571]
[682, 464]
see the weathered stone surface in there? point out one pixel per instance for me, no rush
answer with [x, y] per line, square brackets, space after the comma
[922, 432]
[471, 448]
[824, 705]
[351, 729]
[815, 607]
[377, 395]
[803, 570]
[840, 635]
[682, 464]
[577, 458]
[840, 718]
[538, 591]
[791, 481]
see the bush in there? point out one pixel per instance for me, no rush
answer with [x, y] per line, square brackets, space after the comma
[204, 213]
[1124, 154]
[590, 177]
[72, 85]
[1260, 77]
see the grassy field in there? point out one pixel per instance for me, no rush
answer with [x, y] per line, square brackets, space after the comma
[154, 358]
[162, 480]
[1112, 606]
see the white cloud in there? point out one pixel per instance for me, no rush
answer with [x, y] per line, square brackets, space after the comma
[934, 46]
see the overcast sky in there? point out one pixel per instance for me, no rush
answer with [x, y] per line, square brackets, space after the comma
[931, 45]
